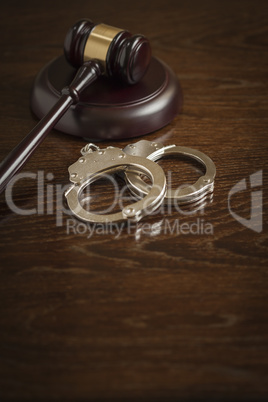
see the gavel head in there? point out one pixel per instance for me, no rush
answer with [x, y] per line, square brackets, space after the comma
[120, 54]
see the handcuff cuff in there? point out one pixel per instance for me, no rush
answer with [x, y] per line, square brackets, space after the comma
[134, 161]
[182, 195]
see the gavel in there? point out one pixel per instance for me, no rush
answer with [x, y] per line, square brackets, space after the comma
[95, 50]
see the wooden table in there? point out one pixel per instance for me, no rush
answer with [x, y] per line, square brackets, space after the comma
[152, 314]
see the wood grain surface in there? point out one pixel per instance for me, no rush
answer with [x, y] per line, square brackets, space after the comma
[148, 314]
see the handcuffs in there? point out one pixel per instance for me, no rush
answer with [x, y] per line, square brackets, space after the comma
[134, 161]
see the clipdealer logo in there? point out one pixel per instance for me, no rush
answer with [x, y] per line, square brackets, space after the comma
[255, 222]
[50, 201]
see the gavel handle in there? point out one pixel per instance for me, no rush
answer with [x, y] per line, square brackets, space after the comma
[11, 165]
[22, 152]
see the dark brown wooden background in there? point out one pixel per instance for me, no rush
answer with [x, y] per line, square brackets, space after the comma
[164, 317]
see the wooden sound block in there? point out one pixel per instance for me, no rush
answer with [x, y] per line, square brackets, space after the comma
[109, 109]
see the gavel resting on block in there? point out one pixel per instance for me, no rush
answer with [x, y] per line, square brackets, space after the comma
[96, 50]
